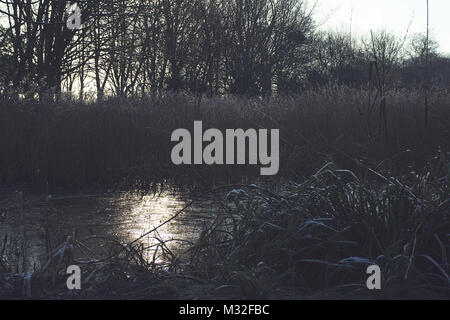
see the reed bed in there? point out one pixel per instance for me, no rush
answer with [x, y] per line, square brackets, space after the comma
[70, 143]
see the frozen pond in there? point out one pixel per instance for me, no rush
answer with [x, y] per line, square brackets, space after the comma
[124, 216]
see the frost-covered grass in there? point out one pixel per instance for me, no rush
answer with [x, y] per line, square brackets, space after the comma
[317, 238]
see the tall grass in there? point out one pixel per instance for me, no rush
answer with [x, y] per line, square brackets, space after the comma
[316, 238]
[116, 140]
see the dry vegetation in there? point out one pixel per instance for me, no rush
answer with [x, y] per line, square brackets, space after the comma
[116, 140]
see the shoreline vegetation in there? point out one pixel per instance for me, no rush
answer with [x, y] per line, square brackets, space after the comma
[353, 191]
[68, 143]
[309, 240]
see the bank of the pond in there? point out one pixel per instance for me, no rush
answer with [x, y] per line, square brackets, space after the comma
[313, 239]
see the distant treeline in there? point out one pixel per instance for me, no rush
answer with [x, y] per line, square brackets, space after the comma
[211, 47]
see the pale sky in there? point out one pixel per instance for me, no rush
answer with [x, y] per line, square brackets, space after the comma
[391, 15]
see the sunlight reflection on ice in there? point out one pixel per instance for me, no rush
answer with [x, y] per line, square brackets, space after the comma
[151, 212]
[125, 216]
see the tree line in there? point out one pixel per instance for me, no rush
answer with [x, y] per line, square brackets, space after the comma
[211, 47]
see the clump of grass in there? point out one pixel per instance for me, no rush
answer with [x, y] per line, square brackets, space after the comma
[316, 238]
